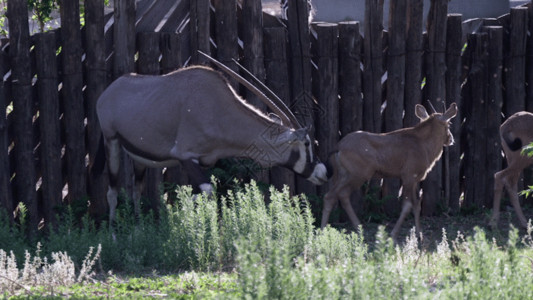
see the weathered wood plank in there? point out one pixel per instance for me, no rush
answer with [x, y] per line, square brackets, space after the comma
[52, 179]
[226, 34]
[452, 154]
[96, 81]
[493, 108]
[6, 196]
[72, 95]
[301, 73]
[435, 92]
[148, 63]
[199, 29]
[373, 62]
[350, 78]
[515, 62]
[19, 54]
[413, 62]
[277, 79]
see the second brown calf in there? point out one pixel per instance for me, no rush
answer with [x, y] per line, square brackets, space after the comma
[408, 154]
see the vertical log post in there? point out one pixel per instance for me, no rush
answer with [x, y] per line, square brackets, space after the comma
[300, 56]
[19, 54]
[327, 122]
[6, 196]
[277, 79]
[454, 47]
[96, 79]
[529, 61]
[171, 53]
[351, 100]
[199, 26]
[373, 64]
[72, 94]
[52, 181]
[494, 108]
[413, 62]
[436, 92]
[124, 62]
[395, 90]
[350, 85]
[515, 62]
[476, 124]
[252, 39]
[148, 63]
[226, 33]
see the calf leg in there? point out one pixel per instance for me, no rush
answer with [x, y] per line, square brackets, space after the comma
[512, 189]
[345, 202]
[407, 205]
[499, 178]
[329, 202]
[199, 181]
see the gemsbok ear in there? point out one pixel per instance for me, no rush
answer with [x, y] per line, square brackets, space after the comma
[451, 112]
[421, 112]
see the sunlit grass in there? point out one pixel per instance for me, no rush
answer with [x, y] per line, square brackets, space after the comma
[236, 246]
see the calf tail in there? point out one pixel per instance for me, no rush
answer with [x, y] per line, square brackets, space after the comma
[97, 167]
[514, 143]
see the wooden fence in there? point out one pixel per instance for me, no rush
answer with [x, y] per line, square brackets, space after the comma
[333, 77]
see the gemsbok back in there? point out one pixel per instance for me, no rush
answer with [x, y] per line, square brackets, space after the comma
[408, 154]
[194, 115]
[515, 133]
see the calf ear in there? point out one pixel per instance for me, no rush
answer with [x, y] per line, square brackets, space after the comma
[451, 112]
[421, 112]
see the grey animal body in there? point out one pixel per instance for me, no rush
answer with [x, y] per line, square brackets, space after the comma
[408, 154]
[515, 133]
[193, 115]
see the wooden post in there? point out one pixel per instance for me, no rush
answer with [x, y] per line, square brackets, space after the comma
[252, 38]
[148, 63]
[226, 33]
[277, 79]
[351, 100]
[124, 37]
[476, 122]
[124, 62]
[327, 132]
[395, 90]
[436, 92]
[300, 57]
[96, 80]
[199, 26]
[515, 62]
[19, 54]
[73, 107]
[52, 181]
[494, 108]
[373, 65]
[413, 62]
[170, 45]
[529, 61]
[6, 196]
[454, 47]
[170, 52]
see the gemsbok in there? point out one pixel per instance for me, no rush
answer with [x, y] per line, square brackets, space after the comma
[408, 154]
[515, 133]
[193, 115]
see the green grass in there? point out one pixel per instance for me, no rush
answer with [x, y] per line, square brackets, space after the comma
[236, 246]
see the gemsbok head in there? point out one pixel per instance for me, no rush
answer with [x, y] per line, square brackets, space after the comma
[408, 154]
[515, 133]
[193, 115]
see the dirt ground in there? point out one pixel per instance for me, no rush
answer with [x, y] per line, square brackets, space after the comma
[463, 223]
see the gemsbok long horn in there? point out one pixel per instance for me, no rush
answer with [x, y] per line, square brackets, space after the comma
[273, 106]
[279, 102]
